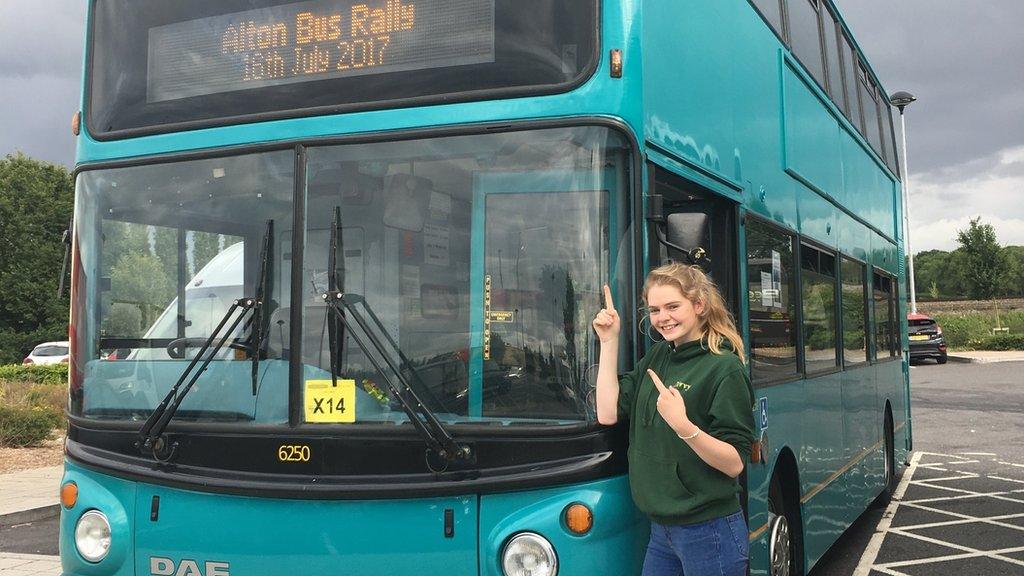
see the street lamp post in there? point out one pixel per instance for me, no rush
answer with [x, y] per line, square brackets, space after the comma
[901, 100]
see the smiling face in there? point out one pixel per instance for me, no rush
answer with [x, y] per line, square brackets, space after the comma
[673, 315]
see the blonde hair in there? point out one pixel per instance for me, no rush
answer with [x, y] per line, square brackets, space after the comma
[717, 323]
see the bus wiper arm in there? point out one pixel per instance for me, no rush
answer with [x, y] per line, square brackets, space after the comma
[422, 418]
[151, 438]
[336, 323]
[335, 283]
[259, 318]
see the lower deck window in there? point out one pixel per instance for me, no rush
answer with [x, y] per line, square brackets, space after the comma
[771, 302]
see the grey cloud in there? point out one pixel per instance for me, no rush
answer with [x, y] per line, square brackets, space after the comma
[40, 75]
[41, 38]
[36, 118]
[961, 59]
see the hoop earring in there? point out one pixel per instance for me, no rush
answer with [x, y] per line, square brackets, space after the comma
[647, 331]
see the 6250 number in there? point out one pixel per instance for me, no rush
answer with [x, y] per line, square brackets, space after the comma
[293, 453]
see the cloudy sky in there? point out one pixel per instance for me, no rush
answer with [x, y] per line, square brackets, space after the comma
[961, 58]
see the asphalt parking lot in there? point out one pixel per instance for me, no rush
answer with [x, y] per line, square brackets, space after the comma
[954, 514]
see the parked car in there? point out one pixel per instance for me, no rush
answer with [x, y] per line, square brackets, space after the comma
[48, 353]
[926, 339]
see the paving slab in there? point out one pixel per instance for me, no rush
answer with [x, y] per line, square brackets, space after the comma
[30, 495]
[986, 356]
[29, 565]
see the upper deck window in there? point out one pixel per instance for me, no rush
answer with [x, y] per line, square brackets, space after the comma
[835, 71]
[772, 12]
[193, 63]
[805, 36]
[850, 73]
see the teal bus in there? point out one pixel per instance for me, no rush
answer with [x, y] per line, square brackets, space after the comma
[334, 264]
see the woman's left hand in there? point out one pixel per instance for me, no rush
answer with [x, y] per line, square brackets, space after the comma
[672, 407]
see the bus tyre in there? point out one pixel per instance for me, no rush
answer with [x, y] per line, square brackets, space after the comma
[889, 457]
[784, 548]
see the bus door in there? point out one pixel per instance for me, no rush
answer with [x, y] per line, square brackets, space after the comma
[539, 255]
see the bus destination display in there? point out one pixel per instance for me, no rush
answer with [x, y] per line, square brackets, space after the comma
[315, 40]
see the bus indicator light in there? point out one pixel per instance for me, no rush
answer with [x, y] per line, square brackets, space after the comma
[69, 495]
[578, 518]
[616, 63]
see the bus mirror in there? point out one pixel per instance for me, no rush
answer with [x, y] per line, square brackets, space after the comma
[689, 230]
[689, 233]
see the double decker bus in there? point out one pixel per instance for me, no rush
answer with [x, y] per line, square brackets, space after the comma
[335, 261]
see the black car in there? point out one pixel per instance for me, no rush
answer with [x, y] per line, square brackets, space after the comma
[926, 339]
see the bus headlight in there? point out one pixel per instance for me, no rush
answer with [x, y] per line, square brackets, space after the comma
[92, 536]
[529, 554]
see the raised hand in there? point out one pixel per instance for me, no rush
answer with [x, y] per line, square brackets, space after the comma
[607, 323]
[672, 407]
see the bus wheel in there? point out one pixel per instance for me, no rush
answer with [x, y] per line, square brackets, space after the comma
[778, 550]
[890, 463]
[783, 544]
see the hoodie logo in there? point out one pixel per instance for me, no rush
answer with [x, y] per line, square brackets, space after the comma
[682, 386]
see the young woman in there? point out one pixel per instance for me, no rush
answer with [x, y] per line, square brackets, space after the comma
[690, 409]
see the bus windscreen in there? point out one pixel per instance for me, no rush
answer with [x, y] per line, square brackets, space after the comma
[315, 40]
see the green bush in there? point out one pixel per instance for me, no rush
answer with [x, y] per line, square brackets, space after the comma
[1003, 342]
[51, 374]
[969, 330]
[22, 426]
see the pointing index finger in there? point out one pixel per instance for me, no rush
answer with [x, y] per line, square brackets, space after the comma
[608, 304]
[657, 382]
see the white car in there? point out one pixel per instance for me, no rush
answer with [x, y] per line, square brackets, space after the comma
[48, 353]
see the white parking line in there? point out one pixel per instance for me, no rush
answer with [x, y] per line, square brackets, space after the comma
[1007, 479]
[958, 519]
[963, 476]
[871, 552]
[961, 519]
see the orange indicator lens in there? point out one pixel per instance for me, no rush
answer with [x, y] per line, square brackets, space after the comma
[69, 495]
[616, 63]
[579, 519]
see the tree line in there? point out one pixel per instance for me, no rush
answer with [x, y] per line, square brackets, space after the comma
[36, 200]
[979, 268]
[36, 205]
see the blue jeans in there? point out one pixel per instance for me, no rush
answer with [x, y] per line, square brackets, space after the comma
[717, 547]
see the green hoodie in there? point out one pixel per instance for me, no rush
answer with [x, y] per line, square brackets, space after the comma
[670, 483]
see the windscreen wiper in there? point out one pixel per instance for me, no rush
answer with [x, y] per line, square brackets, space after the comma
[422, 418]
[335, 283]
[259, 333]
[151, 438]
[66, 240]
[151, 435]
